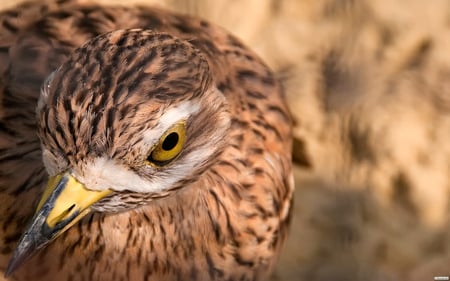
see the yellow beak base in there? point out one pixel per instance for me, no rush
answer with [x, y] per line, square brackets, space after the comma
[64, 202]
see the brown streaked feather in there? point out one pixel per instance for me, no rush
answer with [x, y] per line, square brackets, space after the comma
[228, 224]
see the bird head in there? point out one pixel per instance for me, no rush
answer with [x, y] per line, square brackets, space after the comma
[130, 116]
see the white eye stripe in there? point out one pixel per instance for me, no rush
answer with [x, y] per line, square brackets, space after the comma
[104, 173]
[170, 118]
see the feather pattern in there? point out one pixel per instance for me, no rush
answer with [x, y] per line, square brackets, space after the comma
[223, 207]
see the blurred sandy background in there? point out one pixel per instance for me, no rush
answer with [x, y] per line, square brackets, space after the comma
[368, 83]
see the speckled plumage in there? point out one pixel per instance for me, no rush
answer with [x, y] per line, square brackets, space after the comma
[225, 220]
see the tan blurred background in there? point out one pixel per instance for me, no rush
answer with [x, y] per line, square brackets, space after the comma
[368, 83]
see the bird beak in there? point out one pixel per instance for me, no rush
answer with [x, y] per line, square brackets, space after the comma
[64, 202]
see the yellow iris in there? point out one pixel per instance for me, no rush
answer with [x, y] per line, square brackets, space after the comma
[169, 145]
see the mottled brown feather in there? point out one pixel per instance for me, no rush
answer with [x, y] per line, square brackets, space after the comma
[226, 223]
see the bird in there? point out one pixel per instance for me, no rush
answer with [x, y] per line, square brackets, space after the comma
[137, 143]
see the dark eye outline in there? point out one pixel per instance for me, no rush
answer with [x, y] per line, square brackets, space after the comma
[160, 155]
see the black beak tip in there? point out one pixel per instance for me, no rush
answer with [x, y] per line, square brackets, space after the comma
[38, 233]
[26, 249]
[16, 260]
[12, 266]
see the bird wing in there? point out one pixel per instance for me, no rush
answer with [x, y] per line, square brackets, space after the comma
[24, 63]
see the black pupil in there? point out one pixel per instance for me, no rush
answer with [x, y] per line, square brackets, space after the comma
[170, 141]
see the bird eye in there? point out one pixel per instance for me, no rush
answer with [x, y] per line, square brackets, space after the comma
[169, 145]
